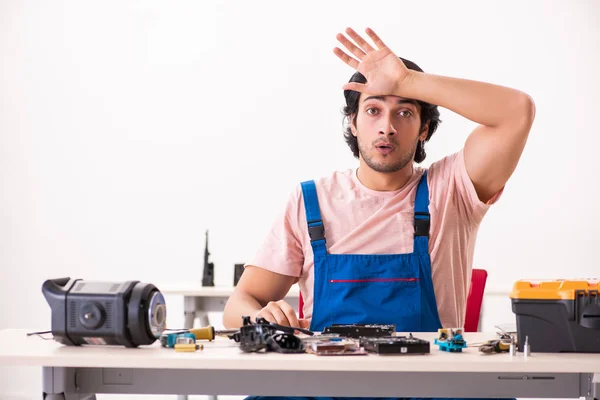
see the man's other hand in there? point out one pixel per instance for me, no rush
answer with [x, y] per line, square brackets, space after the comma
[280, 312]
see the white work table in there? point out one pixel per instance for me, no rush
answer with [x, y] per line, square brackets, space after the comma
[199, 300]
[222, 368]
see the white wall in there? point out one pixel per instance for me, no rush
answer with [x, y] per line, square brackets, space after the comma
[127, 128]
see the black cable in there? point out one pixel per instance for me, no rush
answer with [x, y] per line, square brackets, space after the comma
[40, 333]
[290, 329]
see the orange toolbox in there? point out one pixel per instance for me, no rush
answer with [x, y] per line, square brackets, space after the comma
[557, 315]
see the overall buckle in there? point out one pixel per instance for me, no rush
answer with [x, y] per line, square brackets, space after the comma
[316, 232]
[422, 224]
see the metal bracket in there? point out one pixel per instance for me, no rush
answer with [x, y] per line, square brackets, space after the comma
[590, 386]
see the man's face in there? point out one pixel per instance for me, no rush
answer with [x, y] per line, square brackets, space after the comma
[387, 129]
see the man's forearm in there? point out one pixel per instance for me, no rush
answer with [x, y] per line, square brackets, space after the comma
[239, 305]
[483, 103]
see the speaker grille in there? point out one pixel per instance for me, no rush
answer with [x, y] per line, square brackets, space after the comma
[109, 314]
[73, 314]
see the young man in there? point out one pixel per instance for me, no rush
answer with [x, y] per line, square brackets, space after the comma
[390, 242]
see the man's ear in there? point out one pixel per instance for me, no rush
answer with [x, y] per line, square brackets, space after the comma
[424, 131]
[352, 125]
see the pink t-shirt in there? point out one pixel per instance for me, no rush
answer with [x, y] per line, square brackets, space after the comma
[359, 220]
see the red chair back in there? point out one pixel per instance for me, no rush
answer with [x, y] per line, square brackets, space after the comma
[475, 299]
[300, 306]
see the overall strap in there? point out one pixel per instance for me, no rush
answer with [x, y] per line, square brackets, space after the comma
[422, 217]
[316, 230]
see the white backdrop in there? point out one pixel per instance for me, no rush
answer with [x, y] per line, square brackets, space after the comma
[128, 128]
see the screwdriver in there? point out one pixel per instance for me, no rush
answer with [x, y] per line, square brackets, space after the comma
[209, 332]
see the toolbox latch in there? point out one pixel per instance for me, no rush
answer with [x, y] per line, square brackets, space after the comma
[588, 308]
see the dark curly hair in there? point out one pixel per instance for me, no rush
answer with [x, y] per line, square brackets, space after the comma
[429, 112]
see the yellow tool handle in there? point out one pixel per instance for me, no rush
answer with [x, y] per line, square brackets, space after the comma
[187, 347]
[206, 333]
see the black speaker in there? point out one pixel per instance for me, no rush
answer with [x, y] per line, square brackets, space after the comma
[83, 312]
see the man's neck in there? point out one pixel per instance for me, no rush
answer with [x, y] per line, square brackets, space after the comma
[384, 182]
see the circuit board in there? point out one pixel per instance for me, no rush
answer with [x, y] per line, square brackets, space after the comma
[395, 345]
[361, 330]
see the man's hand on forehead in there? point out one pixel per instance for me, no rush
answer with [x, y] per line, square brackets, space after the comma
[385, 72]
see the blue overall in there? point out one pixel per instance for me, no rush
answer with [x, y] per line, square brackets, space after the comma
[372, 289]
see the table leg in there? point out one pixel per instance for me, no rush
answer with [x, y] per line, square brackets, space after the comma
[195, 307]
[189, 309]
[203, 317]
[59, 383]
[591, 386]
